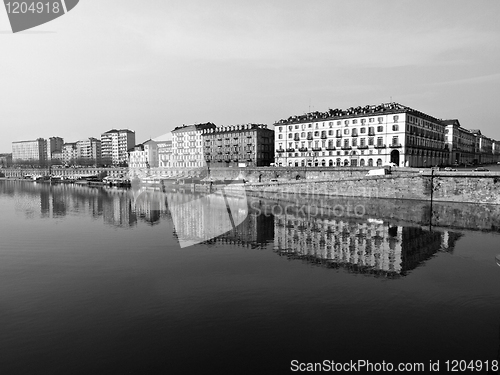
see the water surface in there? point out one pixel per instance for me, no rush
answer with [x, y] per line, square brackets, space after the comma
[94, 281]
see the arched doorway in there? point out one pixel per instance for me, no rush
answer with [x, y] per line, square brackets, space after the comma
[379, 162]
[362, 163]
[370, 162]
[346, 163]
[395, 157]
[330, 163]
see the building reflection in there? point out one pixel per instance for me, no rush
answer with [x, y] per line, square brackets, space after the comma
[358, 244]
[367, 246]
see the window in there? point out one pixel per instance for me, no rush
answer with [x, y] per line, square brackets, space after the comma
[354, 141]
[330, 132]
[362, 142]
[346, 122]
[346, 143]
[339, 133]
[296, 126]
[303, 134]
[354, 132]
[395, 141]
[362, 130]
[370, 141]
[380, 129]
[290, 135]
[339, 122]
[290, 128]
[380, 120]
[395, 118]
[380, 141]
[395, 127]
[354, 121]
[371, 120]
[316, 133]
[310, 125]
[346, 131]
[280, 128]
[330, 124]
[338, 142]
[280, 136]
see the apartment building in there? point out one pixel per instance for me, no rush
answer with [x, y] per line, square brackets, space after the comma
[373, 135]
[250, 145]
[187, 145]
[115, 145]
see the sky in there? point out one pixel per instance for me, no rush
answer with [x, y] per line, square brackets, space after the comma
[151, 66]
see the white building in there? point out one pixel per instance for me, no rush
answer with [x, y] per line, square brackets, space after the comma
[115, 145]
[29, 151]
[461, 142]
[362, 136]
[144, 155]
[187, 146]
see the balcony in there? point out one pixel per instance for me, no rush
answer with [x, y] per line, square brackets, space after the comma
[346, 148]
[303, 149]
[354, 134]
[290, 150]
[362, 147]
[395, 145]
[323, 136]
[380, 146]
[316, 148]
[338, 136]
[371, 133]
[296, 139]
[280, 151]
[309, 137]
[330, 148]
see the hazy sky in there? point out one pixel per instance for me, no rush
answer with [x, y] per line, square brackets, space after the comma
[152, 65]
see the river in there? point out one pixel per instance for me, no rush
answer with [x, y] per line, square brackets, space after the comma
[114, 281]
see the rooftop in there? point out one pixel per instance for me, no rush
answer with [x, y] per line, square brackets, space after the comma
[368, 110]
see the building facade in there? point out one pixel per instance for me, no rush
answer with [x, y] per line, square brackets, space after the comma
[362, 136]
[89, 152]
[165, 154]
[53, 145]
[33, 151]
[144, 155]
[461, 143]
[69, 153]
[5, 160]
[187, 146]
[115, 145]
[249, 145]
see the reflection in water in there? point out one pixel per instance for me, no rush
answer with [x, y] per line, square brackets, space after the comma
[358, 244]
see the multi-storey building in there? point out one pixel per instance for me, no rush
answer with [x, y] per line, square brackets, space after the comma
[29, 151]
[144, 155]
[461, 142]
[89, 151]
[362, 136]
[5, 160]
[115, 145]
[69, 153]
[53, 145]
[165, 154]
[187, 145]
[236, 145]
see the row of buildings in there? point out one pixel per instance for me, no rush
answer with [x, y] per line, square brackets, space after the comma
[379, 134]
[111, 149]
[373, 135]
[195, 146]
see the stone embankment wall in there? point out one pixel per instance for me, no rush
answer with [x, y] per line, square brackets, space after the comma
[395, 211]
[470, 187]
